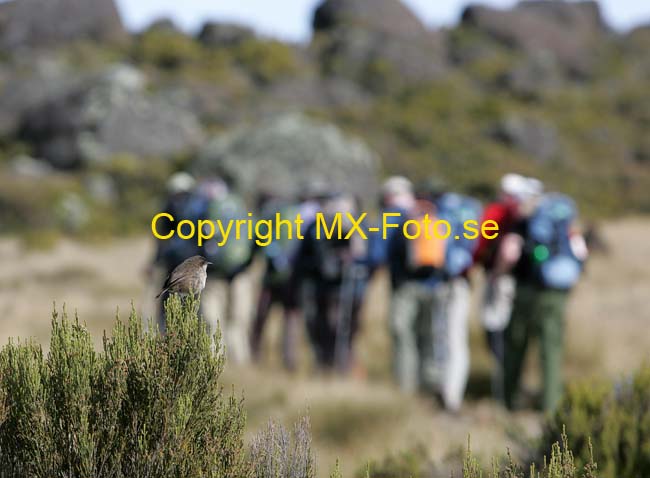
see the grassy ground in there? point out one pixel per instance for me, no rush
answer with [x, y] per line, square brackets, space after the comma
[364, 417]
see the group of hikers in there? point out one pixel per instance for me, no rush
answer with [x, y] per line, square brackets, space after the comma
[530, 267]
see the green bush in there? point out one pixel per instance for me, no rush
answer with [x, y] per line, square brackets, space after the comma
[166, 49]
[618, 420]
[266, 61]
[561, 464]
[150, 405]
[146, 405]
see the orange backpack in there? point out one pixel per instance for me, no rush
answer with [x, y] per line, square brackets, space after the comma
[425, 254]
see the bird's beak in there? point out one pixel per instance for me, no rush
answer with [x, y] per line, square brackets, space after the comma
[209, 263]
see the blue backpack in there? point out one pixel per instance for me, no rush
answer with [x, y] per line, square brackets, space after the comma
[548, 243]
[175, 250]
[457, 209]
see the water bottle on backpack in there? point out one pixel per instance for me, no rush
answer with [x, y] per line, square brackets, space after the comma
[549, 243]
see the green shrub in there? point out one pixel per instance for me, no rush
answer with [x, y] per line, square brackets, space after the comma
[266, 61]
[616, 418]
[146, 405]
[409, 463]
[415, 464]
[166, 49]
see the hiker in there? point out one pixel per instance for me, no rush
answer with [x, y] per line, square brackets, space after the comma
[333, 277]
[278, 286]
[418, 291]
[548, 253]
[227, 298]
[171, 252]
[517, 193]
[451, 323]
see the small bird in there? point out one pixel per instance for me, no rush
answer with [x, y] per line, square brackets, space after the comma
[188, 277]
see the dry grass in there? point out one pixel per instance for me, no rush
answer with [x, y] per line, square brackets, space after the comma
[364, 417]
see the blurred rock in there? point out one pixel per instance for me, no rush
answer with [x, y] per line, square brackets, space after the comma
[535, 75]
[572, 31]
[109, 114]
[29, 167]
[45, 23]
[32, 80]
[386, 16]
[315, 92]
[72, 212]
[102, 188]
[531, 136]
[379, 43]
[284, 153]
[224, 34]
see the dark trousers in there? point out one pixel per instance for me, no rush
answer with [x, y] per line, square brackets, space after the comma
[284, 295]
[537, 313]
[332, 323]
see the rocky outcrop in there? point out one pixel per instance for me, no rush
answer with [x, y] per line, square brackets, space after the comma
[285, 153]
[224, 34]
[44, 23]
[378, 43]
[531, 136]
[386, 16]
[571, 31]
[107, 115]
[32, 80]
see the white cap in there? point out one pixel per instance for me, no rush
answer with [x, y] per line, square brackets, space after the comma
[397, 185]
[521, 187]
[181, 182]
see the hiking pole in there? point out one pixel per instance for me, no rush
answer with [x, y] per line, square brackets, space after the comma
[351, 275]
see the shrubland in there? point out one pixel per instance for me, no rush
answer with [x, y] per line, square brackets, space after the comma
[147, 404]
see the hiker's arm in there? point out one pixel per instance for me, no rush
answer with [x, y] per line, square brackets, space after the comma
[508, 253]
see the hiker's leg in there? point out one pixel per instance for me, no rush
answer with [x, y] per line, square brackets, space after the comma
[291, 332]
[312, 308]
[239, 304]
[213, 301]
[402, 321]
[552, 305]
[263, 307]
[516, 342]
[432, 333]
[457, 369]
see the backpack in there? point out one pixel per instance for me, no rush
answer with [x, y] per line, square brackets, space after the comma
[425, 255]
[175, 250]
[235, 253]
[548, 243]
[457, 209]
[281, 251]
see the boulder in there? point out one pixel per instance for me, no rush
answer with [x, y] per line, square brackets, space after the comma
[110, 114]
[377, 43]
[315, 93]
[44, 23]
[571, 31]
[535, 75]
[30, 81]
[287, 152]
[386, 16]
[531, 136]
[215, 34]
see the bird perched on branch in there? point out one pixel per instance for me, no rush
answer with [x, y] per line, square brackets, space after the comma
[188, 277]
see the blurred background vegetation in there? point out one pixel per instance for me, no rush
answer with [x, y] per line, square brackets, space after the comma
[546, 88]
